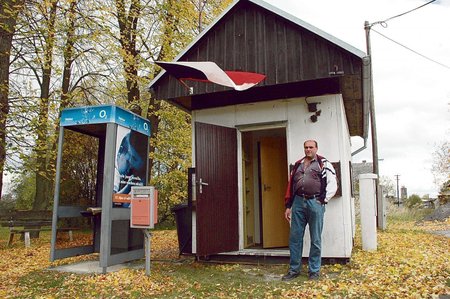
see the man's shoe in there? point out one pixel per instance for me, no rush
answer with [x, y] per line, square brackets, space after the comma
[314, 276]
[289, 276]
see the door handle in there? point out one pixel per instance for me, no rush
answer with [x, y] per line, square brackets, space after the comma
[267, 187]
[201, 184]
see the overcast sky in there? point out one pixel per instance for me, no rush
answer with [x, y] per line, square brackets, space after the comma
[411, 93]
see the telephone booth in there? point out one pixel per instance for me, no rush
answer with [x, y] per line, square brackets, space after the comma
[102, 153]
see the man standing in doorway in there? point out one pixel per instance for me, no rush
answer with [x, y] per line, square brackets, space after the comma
[311, 185]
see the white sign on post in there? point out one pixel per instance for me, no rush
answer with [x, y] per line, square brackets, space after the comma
[144, 207]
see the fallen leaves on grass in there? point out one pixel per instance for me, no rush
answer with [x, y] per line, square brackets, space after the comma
[435, 225]
[409, 263]
[17, 263]
[164, 244]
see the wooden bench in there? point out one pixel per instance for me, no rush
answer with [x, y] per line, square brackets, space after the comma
[25, 222]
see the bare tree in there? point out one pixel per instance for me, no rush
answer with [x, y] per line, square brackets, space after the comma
[388, 186]
[440, 167]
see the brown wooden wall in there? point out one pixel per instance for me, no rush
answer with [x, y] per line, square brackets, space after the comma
[251, 38]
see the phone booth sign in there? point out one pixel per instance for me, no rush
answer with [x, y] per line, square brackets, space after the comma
[144, 207]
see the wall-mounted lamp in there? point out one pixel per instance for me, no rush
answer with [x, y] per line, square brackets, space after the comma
[314, 117]
[312, 107]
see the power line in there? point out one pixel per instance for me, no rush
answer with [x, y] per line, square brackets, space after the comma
[402, 14]
[415, 52]
[384, 25]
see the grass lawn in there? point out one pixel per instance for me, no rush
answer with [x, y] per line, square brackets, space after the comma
[410, 263]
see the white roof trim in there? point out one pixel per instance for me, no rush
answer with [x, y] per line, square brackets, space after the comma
[206, 30]
[279, 12]
[310, 27]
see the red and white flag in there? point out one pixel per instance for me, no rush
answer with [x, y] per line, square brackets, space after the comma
[208, 71]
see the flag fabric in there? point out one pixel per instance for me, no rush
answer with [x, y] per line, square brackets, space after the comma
[208, 71]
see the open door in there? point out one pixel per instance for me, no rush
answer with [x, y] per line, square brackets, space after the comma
[273, 163]
[217, 189]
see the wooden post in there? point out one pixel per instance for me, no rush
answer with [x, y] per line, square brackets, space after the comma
[147, 243]
[27, 239]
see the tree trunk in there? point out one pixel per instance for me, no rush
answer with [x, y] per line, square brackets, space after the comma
[128, 26]
[43, 156]
[154, 124]
[170, 22]
[67, 74]
[9, 10]
[68, 56]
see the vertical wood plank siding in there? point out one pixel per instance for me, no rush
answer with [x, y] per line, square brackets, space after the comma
[250, 38]
[216, 156]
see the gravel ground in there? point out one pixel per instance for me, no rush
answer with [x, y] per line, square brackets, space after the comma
[440, 214]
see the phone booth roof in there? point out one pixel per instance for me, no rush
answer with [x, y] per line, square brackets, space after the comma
[86, 119]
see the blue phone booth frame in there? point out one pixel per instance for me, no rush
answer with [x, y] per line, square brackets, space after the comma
[107, 123]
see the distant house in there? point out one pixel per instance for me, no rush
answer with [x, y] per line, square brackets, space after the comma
[429, 203]
[245, 141]
[357, 169]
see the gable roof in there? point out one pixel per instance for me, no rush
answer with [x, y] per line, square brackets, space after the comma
[279, 12]
[254, 36]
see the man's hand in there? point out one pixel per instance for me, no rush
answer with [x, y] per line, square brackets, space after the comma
[287, 214]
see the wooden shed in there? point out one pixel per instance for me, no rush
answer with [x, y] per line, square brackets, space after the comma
[245, 141]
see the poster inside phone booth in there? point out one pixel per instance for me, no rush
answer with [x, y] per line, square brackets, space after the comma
[130, 164]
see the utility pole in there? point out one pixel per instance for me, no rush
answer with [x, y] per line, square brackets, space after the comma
[398, 194]
[373, 125]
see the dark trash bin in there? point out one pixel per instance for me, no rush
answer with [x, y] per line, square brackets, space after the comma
[183, 218]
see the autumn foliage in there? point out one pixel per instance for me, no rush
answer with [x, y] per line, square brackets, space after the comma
[411, 262]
